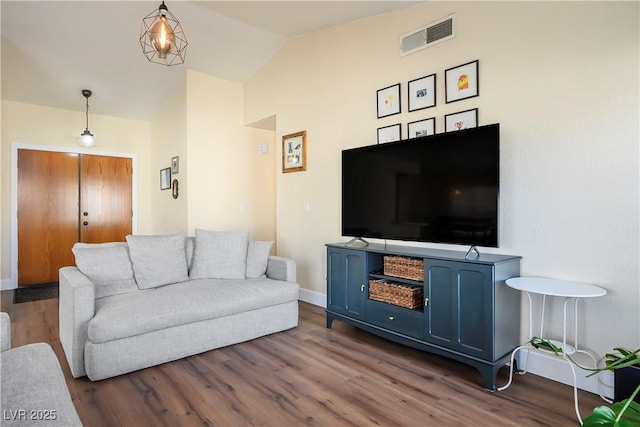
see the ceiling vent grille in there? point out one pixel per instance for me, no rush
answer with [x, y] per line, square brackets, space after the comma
[436, 32]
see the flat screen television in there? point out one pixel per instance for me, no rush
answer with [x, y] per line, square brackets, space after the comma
[441, 188]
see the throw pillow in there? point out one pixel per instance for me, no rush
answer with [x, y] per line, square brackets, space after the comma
[258, 258]
[107, 265]
[220, 255]
[158, 260]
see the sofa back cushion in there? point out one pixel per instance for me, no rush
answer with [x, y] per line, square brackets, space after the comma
[258, 258]
[158, 260]
[220, 255]
[107, 265]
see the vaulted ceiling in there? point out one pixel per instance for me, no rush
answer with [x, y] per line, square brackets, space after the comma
[53, 49]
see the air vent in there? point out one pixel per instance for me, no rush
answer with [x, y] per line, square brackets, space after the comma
[436, 32]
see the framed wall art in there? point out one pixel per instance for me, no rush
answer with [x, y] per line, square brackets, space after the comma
[388, 101]
[390, 133]
[422, 93]
[421, 128]
[294, 152]
[462, 120]
[461, 82]
[165, 178]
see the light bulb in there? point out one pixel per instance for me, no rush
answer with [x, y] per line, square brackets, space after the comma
[86, 138]
[162, 37]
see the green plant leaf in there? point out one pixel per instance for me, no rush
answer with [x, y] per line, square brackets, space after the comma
[601, 416]
[621, 414]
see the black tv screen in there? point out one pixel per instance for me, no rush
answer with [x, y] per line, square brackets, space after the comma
[441, 188]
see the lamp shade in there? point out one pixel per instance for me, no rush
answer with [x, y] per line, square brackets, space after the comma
[86, 139]
[162, 38]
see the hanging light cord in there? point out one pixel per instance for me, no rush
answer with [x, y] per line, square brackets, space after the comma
[87, 113]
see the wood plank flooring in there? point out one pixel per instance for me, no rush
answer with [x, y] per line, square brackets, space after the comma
[305, 376]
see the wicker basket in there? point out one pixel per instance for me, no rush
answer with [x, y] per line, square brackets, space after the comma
[407, 268]
[401, 294]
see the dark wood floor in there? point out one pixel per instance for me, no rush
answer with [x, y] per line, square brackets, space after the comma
[306, 376]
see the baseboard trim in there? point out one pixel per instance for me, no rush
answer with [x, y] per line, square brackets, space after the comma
[314, 298]
[555, 368]
[7, 284]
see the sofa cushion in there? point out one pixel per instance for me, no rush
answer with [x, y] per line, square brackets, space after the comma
[107, 265]
[122, 316]
[220, 255]
[158, 260]
[258, 258]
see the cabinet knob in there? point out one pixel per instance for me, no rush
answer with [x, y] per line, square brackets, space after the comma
[391, 318]
[361, 288]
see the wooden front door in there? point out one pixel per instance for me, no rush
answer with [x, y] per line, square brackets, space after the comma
[47, 214]
[105, 199]
[55, 190]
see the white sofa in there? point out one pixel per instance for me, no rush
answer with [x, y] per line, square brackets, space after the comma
[34, 391]
[154, 299]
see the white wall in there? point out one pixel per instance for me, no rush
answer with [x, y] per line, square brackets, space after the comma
[561, 79]
[34, 125]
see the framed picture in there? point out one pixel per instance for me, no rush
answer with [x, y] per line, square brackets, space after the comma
[175, 165]
[462, 120]
[422, 93]
[165, 178]
[388, 101]
[390, 133]
[421, 128]
[461, 82]
[294, 152]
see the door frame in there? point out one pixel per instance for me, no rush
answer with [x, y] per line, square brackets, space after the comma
[14, 194]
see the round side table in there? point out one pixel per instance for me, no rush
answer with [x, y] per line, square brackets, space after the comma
[571, 292]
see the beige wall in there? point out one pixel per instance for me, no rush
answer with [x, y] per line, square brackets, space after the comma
[231, 185]
[56, 129]
[560, 78]
[168, 139]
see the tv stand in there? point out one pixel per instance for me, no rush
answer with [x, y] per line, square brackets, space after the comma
[469, 314]
[356, 239]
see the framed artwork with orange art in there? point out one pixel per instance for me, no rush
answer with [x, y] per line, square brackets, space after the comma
[388, 100]
[462, 82]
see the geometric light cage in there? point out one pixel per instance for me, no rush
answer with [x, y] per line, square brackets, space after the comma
[176, 53]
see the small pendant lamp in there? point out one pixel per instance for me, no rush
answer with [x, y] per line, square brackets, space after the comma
[162, 38]
[86, 139]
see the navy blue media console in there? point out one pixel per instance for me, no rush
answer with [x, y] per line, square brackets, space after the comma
[468, 313]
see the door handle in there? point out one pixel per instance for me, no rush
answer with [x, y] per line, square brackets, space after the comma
[361, 288]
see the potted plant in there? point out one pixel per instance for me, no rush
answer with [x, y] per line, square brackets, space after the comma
[625, 364]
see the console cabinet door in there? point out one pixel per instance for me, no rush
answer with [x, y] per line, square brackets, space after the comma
[459, 311]
[346, 282]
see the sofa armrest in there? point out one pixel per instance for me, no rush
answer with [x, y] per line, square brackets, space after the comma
[77, 308]
[281, 268]
[5, 332]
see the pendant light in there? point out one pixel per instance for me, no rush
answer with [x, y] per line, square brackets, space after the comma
[162, 38]
[86, 139]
